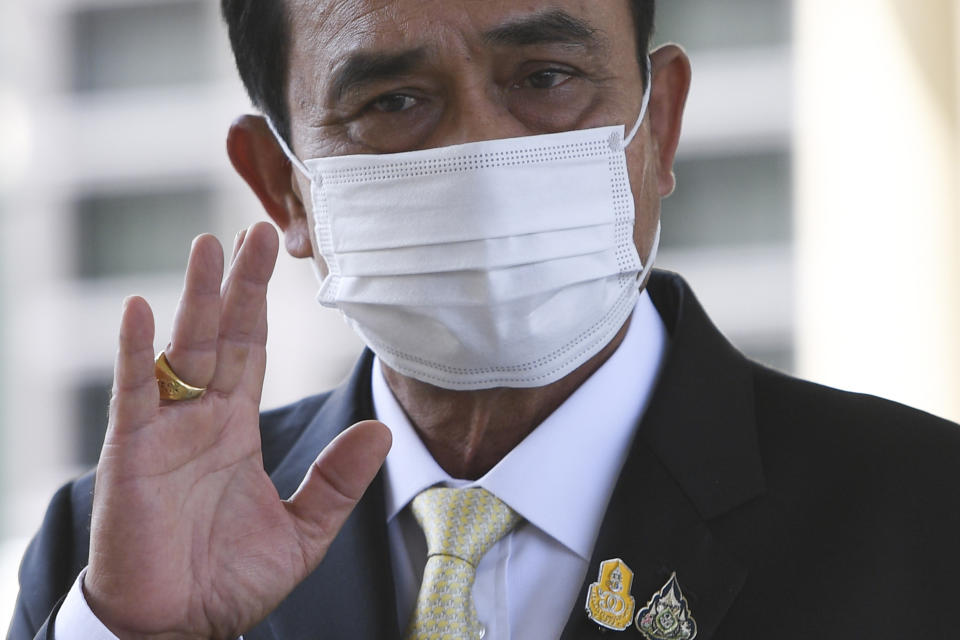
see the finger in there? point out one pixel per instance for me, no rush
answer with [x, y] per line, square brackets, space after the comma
[335, 483]
[192, 352]
[237, 243]
[251, 384]
[243, 298]
[135, 393]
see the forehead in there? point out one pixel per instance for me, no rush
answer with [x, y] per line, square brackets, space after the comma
[335, 24]
[325, 32]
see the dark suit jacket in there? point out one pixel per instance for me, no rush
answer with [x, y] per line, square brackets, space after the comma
[787, 510]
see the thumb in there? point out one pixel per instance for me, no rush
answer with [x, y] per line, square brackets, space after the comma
[335, 483]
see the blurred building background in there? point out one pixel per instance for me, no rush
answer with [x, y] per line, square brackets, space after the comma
[817, 213]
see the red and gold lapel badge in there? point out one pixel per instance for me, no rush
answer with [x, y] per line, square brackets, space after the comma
[609, 602]
[667, 616]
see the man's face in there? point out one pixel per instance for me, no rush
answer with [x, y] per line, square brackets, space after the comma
[384, 76]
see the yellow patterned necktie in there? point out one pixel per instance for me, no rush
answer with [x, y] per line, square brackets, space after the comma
[460, 525]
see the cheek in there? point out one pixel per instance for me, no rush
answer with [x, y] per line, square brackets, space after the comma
[641, 163]
[395, 132]
[571, 105]
[302, 188]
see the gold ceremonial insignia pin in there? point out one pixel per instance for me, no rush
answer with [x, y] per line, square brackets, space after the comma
[667, 616]
[609, 602]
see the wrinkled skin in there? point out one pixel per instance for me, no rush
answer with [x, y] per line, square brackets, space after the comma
[189, 537]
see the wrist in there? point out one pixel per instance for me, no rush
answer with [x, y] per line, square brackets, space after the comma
[116, 618]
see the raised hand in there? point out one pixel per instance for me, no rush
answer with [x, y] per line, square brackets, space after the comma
[189, 538]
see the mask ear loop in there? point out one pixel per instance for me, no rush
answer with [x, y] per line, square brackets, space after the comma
[294, 160]
[652, 258]
[333, 270]
[643, 106]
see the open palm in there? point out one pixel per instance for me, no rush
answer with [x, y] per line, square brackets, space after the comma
[189, 537]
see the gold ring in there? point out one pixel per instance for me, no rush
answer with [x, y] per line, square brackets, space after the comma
[171, 386]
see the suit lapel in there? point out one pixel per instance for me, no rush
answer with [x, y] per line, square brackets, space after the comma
[351, 593]
[695, 458]
[652, 526]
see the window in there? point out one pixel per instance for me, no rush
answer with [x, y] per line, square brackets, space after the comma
[136, 233]
[699, 24]
[779, 357]
[729, 225]
[141, 45]
[730, 200]
[92, 402]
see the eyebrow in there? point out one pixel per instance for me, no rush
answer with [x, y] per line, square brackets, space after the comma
[548, 27]
[363, 68]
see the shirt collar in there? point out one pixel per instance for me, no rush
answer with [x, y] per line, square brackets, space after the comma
[569, 463]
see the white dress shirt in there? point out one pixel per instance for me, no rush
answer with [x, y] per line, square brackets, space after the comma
[559, 478]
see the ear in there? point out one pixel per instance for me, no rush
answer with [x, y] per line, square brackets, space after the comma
[668, 97]
[260, 161]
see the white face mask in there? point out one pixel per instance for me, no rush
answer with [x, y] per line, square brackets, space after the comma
[496, 263]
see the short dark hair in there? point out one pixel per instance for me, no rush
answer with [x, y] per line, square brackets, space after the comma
[258, 31]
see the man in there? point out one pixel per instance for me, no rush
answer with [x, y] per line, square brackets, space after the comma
[636, 473]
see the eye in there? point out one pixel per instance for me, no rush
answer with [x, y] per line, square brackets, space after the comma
[393, 103]
[546, 79]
